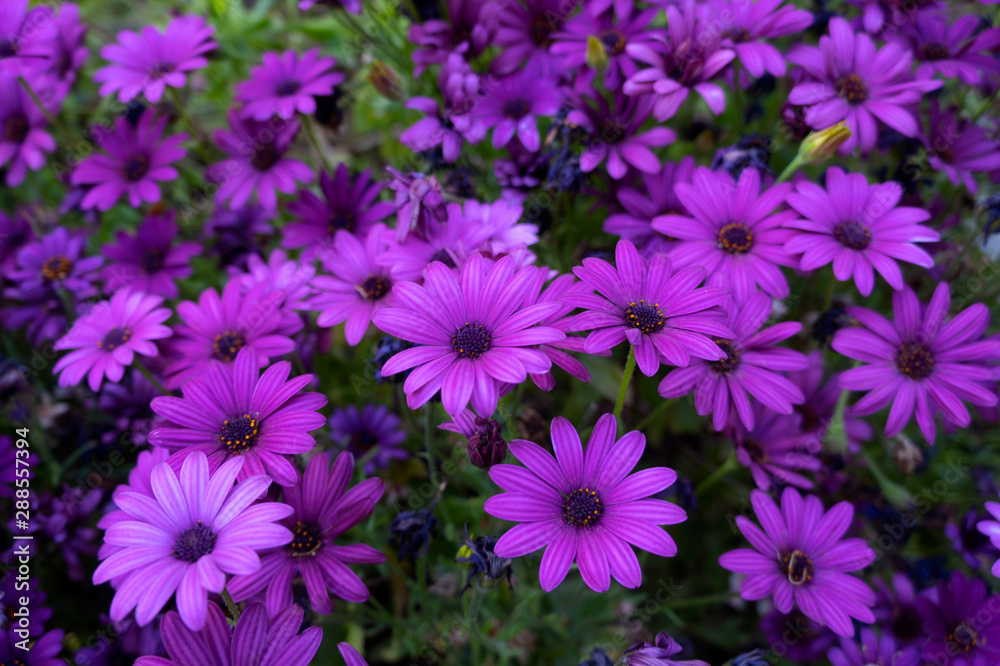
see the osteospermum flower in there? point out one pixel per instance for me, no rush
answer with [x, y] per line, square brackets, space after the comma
[514, 105]
[323, 509]
[584, 506]
[145, 64]
[260, 418]
[525, 33]
[256, 162]
[872, 651]
[953, 50]
[195, 529]
[919, 363]
[216, 329]
[750, 368]
[662, 314]
[134, 161]
[282, 275]
[43, 652]
[472, 333]
[732, 232]
[961, 623]
[287, 83]
[559, 290]
[23, 139]
[419, 200]
[255, 640]
[991, 528]
[657, 197]
[107, 338]
[149, 261]
[361, 430]
[658, 653]
[753, 22]
[56, 261]
[470, 29]
[857, 227]
[26, 38]
[801, 559]
[959, 148]
[820, 405]
[848, 80]
[777, 449]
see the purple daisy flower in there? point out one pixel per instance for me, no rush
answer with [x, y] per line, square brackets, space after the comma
[959, 148]
[106, 339]
[802, 559]
[54, 262]
[968, 541]
[584, 506]
[684, 59]
[732, 232]
[359, 431]
[23, 139]
[525, 32]
[614, 134]
[134, 160]
[260, 418]
[991, 528]
[255, 640]
[419, 200]
[953, 50]
[218, 328]
[146, 64]
[657, 653]
[322, 509]
[16, 232]
[961, 623]
[257, 162]
[348, 204]
[44, 652]
[470, 29]
[195, 529]
[149, 261]
[820, 405]
[751, 366]
[777, 450]
[857, 227]
[872, 651]
[753, 22]
[662, 314]
[286, 84]
[351, 656]
[283, 275]
[67, 56]
[26, 38]
[472, 333]
[919, 362]
[560, 290]
[658, 197]
[514, 105]
[896, 610]
[848, 79]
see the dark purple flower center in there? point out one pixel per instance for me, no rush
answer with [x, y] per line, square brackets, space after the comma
[8, 48]
[471, 341]
[853, 88]
[755, 450]
[341, 220]
[375, 287]
[541, 30]
[286, 88]
[737, 35]
[152, 261]
[264, 157]
[57, 268]
[194, 543]
[613, 41]
[906, 623]
[643, 316]
[963, 637]
[582, 508]
[15, 128]
[515, 109]
[160, 69]
[735, 238]
[363, 440]
[915, 360]
[732, 359]
[115, 338]
[444, 257]
[934, 51]
[853, 235]
[135, 168]
[240, 433]
[810, 419]
[798, 567]
[227, 344]
[306, 539]
[612, 131]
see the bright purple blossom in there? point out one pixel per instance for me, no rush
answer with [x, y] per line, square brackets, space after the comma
[23, 139]
[419, 200]
[26, 38]
[241, 413]
[959, 148]
[469, 30]
[801, 558]
[956, 49]
[149, 261]
[919, 362]
[896, 610]
[961, 623]
[56, 261]
[44, 652]
[584, 506]
[145, 64]
[135, 159]
[872, 651]
[749, 369]
[857, 227]
[657, 197]
[559, 290]
[361, 430]
[66, 57]
[526, 31]
[286, 84]
[991, 528]
[750, 23]
[514, 106]
[284, 275]
[658, 653]
[777, 450]
[615, 134]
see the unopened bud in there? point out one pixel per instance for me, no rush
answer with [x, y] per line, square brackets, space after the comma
[821, 145]
[385, 80]
[486, 445]
[597, 55]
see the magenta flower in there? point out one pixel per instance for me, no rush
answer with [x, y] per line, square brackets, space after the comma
[469, 30]
[256, 639]
[358, 287]
[195, 529]
[56, 261]
[43, 652]
[959, 148]
[419, 200]
[348, 204]
[514, 105]
[872, 651]
[750, 23]
[280, 274]
[218, 328]
[261, 418]
[857, 227]
[525, 32]
[23, 139]
[257, 162]
[322, 509]
[149, 261]
[751, 366]
[106, 339]
[960, 622]
[134, 160]
[662, 314]
[777, 450]
[615, 134]
[732, 232]
[802, 559]
[848, 79]
[472, 333]
[658, 197]
[146, 64]
[658, 653]
[953, 50]
[66, 57]
[26, 38]
[286, 84]
[919, 362]
[584, 506]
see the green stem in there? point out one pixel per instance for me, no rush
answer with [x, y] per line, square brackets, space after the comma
[149, 375]
[234, 610]
[789, 170]
[829, 291]
[427, 445]
[836, 433]
[182, 115]
[703, 601]
[664, 406]
[729, 465]
[310, 130]
[626, 378]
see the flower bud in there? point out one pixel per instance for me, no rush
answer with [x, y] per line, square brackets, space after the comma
[821, 145]
[385, 80]
[486, 445]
